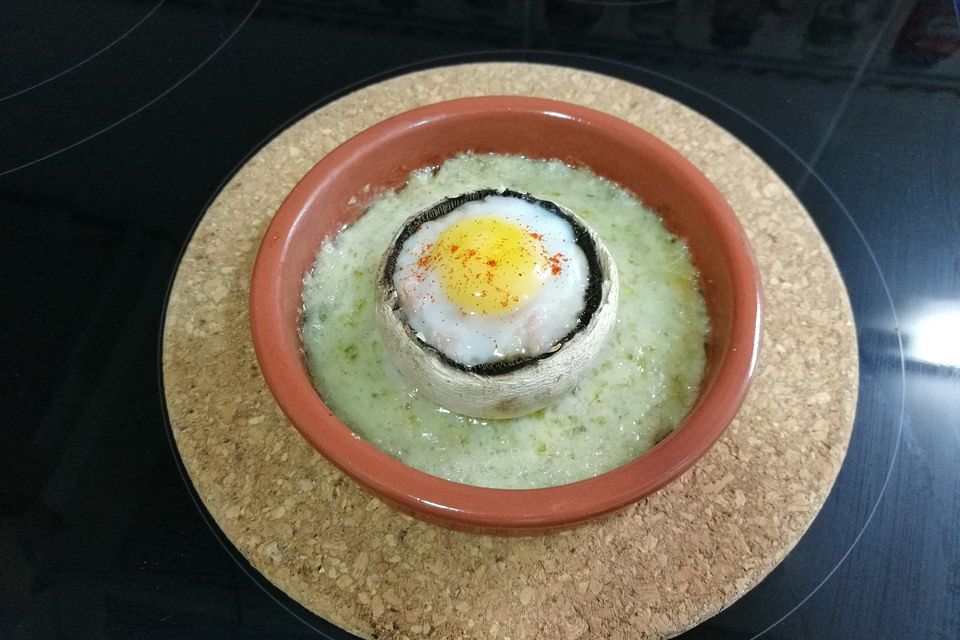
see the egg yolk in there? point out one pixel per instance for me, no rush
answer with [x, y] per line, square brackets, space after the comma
[487, 265]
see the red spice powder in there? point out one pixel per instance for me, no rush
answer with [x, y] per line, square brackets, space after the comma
[425, 256]
[426, 260]
[555, 261]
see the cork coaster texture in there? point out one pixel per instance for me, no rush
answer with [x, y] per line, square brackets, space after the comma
[651, 571]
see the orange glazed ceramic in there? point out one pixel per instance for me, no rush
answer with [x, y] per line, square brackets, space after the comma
[383, 156]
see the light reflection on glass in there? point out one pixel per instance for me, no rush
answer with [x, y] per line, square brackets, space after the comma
[934, 335]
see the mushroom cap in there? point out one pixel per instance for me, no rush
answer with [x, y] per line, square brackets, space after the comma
[525, 385]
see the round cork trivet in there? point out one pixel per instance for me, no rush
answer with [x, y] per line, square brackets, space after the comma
[654, 570]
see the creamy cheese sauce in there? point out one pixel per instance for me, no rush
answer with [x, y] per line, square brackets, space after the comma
[644, 384]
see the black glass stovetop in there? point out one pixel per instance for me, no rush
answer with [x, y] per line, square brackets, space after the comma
[121, 119]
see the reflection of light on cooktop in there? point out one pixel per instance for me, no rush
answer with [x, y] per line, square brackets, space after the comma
[934, 336]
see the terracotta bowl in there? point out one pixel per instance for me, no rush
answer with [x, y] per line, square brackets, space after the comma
[383, 157]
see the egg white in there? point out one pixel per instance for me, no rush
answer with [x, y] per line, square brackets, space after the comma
[471, 339]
